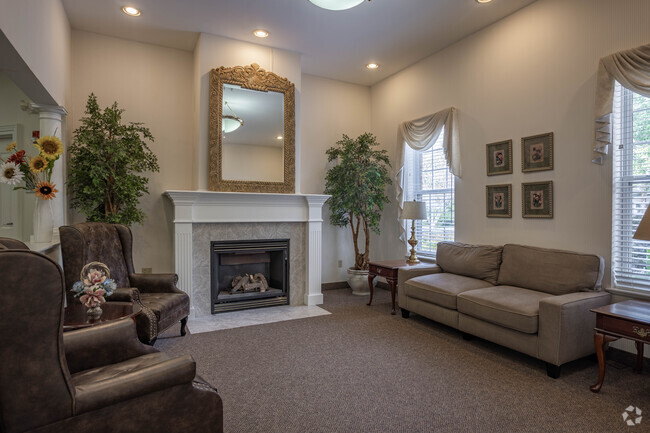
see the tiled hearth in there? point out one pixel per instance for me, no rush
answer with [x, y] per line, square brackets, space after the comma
[204, 216]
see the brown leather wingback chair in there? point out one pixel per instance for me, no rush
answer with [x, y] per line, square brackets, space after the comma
[163, 303]
[96, 379]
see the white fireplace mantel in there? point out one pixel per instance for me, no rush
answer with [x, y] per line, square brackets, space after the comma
[204, 207]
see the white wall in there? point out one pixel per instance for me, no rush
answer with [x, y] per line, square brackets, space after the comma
[330, 109]
[532, 72]
[215, 51]
[39, 31]
[154, 85]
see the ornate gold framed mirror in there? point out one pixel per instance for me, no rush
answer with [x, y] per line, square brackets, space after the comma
[252, 131]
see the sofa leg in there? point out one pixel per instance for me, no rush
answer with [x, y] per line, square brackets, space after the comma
[183, 323]
[553, 371]
[405, 313]
[467, 337]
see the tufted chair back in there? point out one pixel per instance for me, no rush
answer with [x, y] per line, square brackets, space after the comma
[12, 244]
[31, 342]
[110, 244]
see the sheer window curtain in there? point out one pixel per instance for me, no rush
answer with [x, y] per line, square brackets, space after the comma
[420, 135]
[631, 68]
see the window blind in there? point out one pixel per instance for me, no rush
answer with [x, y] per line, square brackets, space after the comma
[631, 188]
[428, 179]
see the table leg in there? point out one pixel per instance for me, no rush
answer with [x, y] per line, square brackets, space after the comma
[370, 278]
[639, 357]
[600, 342]
[392, 283]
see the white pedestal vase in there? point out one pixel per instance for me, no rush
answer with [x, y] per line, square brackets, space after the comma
[358, 281]
[43, 221]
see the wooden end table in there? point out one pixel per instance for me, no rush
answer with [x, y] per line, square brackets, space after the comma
[75, 316]
[628, 319]
[388, 269]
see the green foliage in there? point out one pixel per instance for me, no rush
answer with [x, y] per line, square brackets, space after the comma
[107, 158]
[357, 187]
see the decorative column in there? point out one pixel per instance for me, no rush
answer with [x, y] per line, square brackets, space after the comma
[314, 296]
[51, 123]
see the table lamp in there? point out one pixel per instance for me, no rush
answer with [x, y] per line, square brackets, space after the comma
[643, 231]
[414, 210]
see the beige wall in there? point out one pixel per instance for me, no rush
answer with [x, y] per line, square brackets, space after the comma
[330, 109]
[39, 31]
[532, 72]
[154, 85]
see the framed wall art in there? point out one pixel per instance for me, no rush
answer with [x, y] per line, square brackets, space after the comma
[537, 199]
[499, 158]
[499, 201]
[537, 152]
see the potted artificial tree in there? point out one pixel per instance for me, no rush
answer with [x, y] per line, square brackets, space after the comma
[357, 187]
[107, 159]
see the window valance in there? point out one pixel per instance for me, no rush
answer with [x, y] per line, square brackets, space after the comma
[631, 68]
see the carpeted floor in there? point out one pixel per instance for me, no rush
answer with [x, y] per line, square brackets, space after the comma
[362, 370]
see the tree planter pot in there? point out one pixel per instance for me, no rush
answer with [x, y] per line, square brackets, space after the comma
[358, 281]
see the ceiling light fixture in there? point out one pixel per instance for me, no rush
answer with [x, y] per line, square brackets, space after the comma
[230, 123]
[372, 66]
[130, 10]
[261, 33]
[483, 1]
[279, 137]
[336, 5]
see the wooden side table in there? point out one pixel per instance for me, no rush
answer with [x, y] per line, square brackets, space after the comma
[628, 319]
[388, 269]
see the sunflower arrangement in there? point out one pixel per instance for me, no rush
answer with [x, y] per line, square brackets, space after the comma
[35, 172]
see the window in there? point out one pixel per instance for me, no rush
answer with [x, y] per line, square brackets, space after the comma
[428, 179]
[631, 184]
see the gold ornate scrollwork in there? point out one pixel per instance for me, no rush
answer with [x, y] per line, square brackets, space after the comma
[643, 333]
[255, 78]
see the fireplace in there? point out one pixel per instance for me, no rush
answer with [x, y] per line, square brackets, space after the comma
[249, 274]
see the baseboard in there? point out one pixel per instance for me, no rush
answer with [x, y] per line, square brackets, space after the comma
[335, 285]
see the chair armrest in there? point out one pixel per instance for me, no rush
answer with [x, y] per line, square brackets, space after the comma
[101, 345]
[124, 294]
[404, 274]
[566, 326]
[138, 381]
[155, 283]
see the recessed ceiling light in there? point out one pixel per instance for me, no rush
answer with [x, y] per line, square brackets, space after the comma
[130, 10]
[372, 66]
[279, 137]
[260, 33]
[336, 5]
[483, 1]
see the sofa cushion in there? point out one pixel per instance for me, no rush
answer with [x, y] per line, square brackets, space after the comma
[507, 306]
[476, 261]
[552, 271]
[441, 289]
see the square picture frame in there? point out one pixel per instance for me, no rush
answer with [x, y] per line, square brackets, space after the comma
[498, 201]
[499, 157]
[537, 199]
[537, 152]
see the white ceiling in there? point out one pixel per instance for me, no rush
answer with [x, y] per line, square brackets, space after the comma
[333, 44]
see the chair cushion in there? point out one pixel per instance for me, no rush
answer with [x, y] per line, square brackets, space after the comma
[507, 306]
[552, 271]
[476, 261]
[169, 308]
[441, 289]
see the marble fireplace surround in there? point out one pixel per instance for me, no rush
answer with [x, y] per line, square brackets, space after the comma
[204, 216]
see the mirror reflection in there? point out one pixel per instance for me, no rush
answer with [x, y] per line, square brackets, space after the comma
[252, 135]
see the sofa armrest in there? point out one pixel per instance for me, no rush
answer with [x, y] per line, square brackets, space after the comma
[566, 326]
[404, 274]
[101, 345]
[155, 283]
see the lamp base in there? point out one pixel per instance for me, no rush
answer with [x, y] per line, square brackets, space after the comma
[413, 260]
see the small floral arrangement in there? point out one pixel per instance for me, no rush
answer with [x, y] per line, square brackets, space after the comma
[36, 171]
[95, 285]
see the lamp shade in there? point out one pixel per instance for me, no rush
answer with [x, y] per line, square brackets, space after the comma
[336, 5]
[643, 231]
[230, 123]
[414, 210]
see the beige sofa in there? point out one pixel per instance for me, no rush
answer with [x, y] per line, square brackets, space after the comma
[533, 300]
